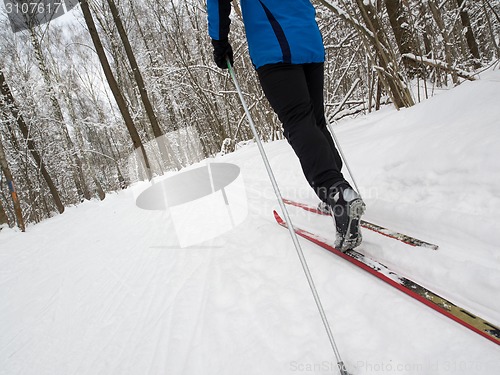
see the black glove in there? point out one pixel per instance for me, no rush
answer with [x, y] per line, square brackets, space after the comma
[222, 49]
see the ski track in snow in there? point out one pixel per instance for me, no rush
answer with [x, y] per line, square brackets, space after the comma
[103, 288]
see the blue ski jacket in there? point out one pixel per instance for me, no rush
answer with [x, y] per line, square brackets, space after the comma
[278, 31]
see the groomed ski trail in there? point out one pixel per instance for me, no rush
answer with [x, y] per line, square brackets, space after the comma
[102, 289]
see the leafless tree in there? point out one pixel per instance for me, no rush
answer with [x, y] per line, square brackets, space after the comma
[4, 166]
[8, 101]
[115, 89]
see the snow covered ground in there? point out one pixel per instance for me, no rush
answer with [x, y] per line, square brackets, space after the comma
[104, 289]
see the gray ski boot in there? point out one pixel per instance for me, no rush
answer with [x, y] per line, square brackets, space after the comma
[347, 207]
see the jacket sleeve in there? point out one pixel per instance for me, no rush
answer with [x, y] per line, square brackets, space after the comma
[218, 18]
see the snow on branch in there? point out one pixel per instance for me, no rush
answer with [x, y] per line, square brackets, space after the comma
[441, 65]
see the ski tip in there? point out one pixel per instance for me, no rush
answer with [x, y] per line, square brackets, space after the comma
[430, 246]
[426, 245]
[277, 216]
[279, 219]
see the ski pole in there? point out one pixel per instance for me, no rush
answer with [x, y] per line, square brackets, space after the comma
[337, 143]
[294, 236]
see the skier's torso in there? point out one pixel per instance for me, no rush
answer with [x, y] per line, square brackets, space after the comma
[277, 30]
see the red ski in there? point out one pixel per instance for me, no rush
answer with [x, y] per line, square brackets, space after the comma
[405, 285]
[374, 227]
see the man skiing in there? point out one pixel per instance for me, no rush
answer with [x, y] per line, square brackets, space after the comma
[286, 49]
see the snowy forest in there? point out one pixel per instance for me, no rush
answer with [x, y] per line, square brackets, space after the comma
[81, 93]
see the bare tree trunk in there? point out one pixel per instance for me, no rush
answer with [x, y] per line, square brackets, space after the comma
[425, 29]
[161, 140]
[77, 167]
[113, 85]
[372, 35]
[80, 143]
[121, 180]
[438, 18]
[210, 107]
[399, 93]
[401, 30]
[469, 34]
[10, 183]
[490, 28]
[4, 219]
[9, 100]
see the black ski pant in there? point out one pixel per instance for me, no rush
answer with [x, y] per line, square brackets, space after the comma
[295, 92]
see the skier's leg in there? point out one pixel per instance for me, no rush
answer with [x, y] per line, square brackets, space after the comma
[345, 203]
[286, 88]
[315, 78]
